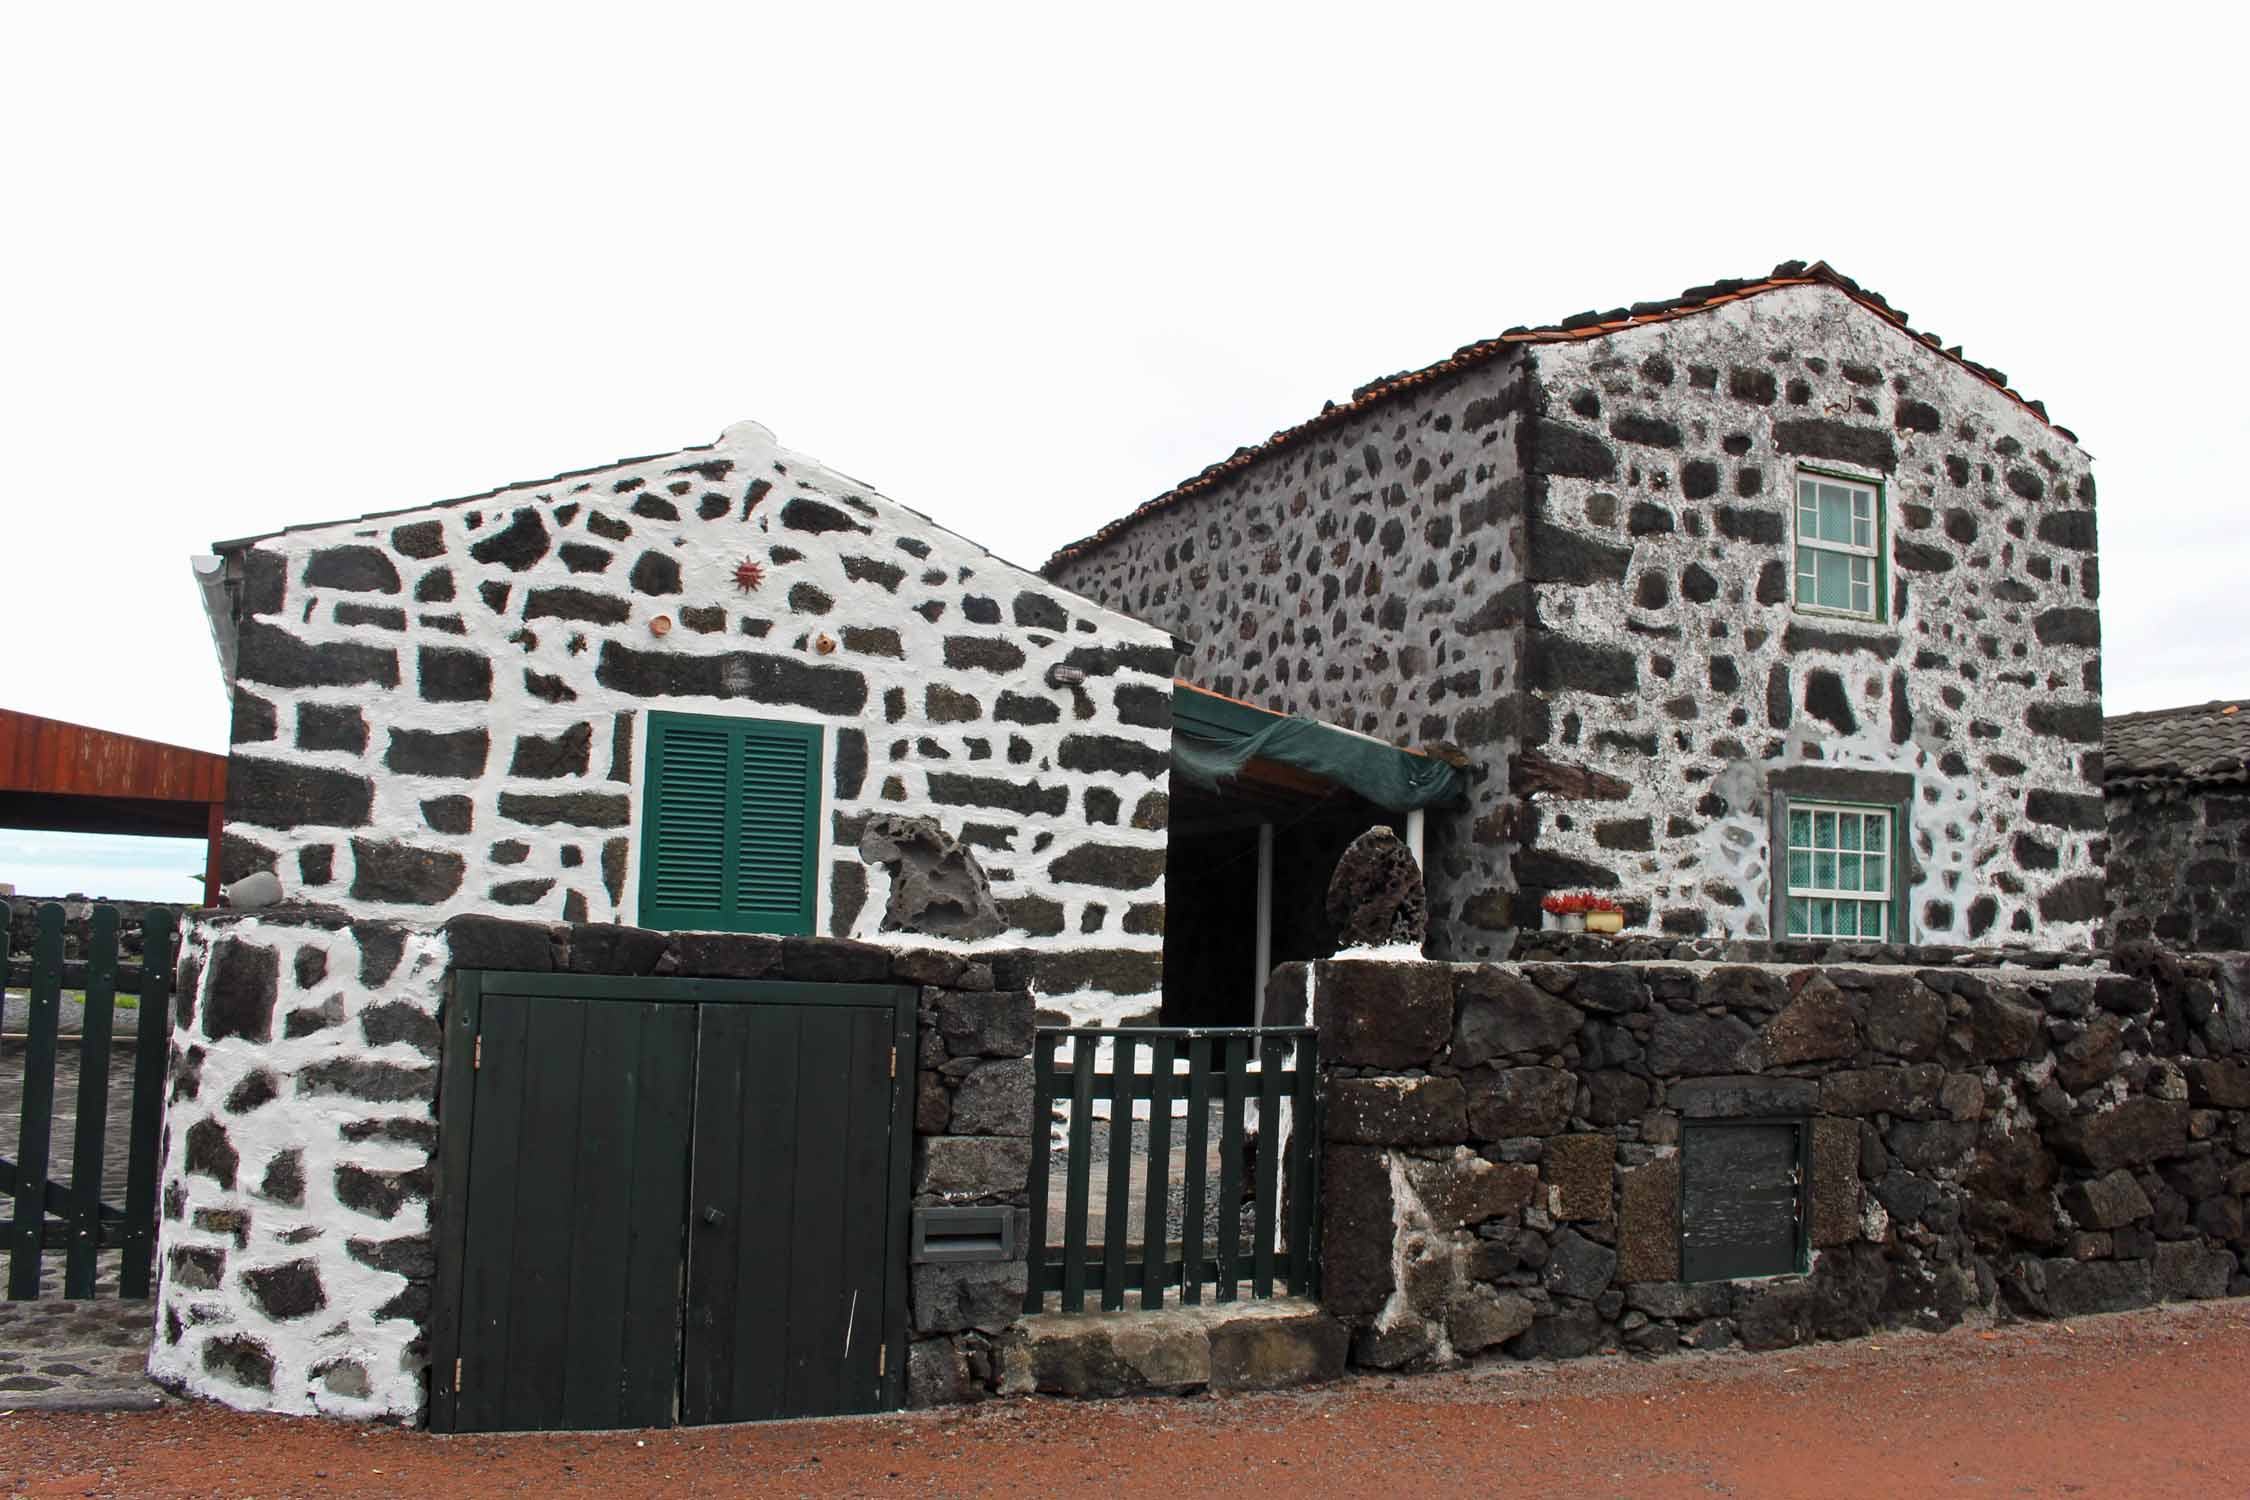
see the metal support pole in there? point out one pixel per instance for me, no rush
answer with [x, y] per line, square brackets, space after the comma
[1265, 923]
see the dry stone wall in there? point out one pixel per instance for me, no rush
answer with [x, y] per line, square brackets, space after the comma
[1502, 1163]
[2179, 866]
[445, 710]
[1372, 577]
[1667, 657]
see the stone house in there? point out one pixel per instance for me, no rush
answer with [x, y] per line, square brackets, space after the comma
[2177, 785]
[1756, 609]
[533, 703]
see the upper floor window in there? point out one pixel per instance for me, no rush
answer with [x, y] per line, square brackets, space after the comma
[1840, 871]
[730, 824]
[1839, 546]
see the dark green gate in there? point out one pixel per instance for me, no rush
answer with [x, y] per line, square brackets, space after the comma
[670, 1200]
[112, 1066]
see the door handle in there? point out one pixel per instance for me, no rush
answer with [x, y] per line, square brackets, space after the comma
[713, 1217]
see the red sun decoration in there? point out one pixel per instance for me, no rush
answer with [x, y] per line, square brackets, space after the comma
[748, 575]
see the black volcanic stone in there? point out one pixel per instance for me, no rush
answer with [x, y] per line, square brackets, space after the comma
[375, 1082]
[982, 653]
[1016, 708]
[2068, 627]
[1039, 612]
[2068, 528]
[517, 546]
[1818, 437]
[1560, 554]
[481, 942]
[401, 874]
[1115, 867]
[887, 575]
[424, 752]
[268, 654]
[655, 573]
[1559, 449]
[1101, 752]
[254, 719]
[544, 758]
[565, 603]
[381, 946]
[450, 674]
[283, 794]
[256, 1090]
[376, 616]
[286, 1291]
[521, 892]
[211, 1154]
[851, 763]
[2082, 811]
[1560, 661]
[978, 610]
[1745, 523]
[354, 569]
[814, 516]
[1826, 698]
[1920, 557]
[331, 726]
[1142, 706]
[448, 814]
[1649, 432]
[579, 809]
[2079, 723]
[953, 789]
[753, 675]
[419, 539]
[1699, 479]
[238, 996]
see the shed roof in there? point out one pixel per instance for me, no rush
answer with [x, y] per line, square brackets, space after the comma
[69, 778]
[1573, 329]
[2204, 744]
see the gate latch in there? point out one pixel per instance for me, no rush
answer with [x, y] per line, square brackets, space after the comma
[713, 1217]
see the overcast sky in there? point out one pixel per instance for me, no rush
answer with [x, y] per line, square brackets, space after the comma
[1023, 268]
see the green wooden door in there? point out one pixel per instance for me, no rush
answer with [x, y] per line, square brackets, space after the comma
[670, 1200]
[789, 1271]
[577, 1193]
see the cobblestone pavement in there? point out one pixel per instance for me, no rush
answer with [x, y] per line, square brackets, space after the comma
[62, 1128]
[76, 1356]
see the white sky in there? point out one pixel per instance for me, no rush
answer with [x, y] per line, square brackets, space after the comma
[1023, 268]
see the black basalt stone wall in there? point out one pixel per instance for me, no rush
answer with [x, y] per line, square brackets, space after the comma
[2179, 866]
[1502, 1158]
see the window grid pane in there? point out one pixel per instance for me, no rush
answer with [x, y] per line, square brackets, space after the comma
[1838, 869]
[1837, 543]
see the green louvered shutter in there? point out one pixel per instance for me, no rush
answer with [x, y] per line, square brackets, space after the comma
[730, 824]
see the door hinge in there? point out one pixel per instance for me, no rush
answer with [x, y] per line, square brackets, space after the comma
[457, 1374]
[476, 1060]
[894, 1059]
[882, 1359]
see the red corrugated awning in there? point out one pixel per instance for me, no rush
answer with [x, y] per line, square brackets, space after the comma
[60, 777]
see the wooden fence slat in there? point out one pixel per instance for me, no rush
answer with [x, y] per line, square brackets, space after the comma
[38, 1105]
[1229, 1224]
[1304, 1166]
[86, 1160]
[1155, 1251]
[1116, 1202]
[1037, 1281]
[151, 1042]
[1272, 1054]
[1077, 1189]
[1198, 1169]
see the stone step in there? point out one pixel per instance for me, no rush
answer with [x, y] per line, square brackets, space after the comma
[1230, 1346]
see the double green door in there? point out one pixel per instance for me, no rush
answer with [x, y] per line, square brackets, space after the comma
[670, 1201]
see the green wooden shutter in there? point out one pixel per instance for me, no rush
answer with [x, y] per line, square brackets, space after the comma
[730, 834]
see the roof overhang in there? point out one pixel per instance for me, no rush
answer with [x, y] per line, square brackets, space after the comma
[1235, 763]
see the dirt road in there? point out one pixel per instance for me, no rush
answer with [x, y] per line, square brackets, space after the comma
[2140, 1404]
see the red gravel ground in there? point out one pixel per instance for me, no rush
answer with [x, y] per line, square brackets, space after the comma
[2140, 1404]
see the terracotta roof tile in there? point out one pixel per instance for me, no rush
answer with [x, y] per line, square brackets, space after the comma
[2206, 744]
[1577, 326]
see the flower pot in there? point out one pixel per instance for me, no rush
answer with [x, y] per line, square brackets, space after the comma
[1605, 921]
[1574, 921]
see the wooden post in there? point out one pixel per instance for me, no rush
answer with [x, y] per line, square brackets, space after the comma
[214, 835]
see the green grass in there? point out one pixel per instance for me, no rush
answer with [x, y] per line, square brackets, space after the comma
[124, 1002]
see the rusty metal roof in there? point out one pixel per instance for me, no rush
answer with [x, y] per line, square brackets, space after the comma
[2206, 744]
[1585, 325]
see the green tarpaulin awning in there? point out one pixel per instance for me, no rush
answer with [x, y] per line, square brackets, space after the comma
[1214, 738]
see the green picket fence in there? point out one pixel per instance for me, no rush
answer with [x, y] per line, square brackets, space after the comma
[73, 1217]
[1176, 1098]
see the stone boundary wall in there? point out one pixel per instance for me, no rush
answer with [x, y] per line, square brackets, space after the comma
[295, 1250]
[78, 921]
[1502, 1146]
[2179, 865]
[1645, 947]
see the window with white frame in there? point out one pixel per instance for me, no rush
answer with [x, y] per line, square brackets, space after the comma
[1839, 546]
[1839, 872]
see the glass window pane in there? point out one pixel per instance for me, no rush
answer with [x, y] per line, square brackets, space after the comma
[1824, 830]
[1800, 869]
[1824, 919]
[1835, 580]
[1847, 919]
[1824, 871]
[1847, 872]
[1800, 829]
[1874, 873]
[1847, 832]
[1797, 918]
[1807, 494]
[1835, 513]
[1874, 919]
[1863, 519]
